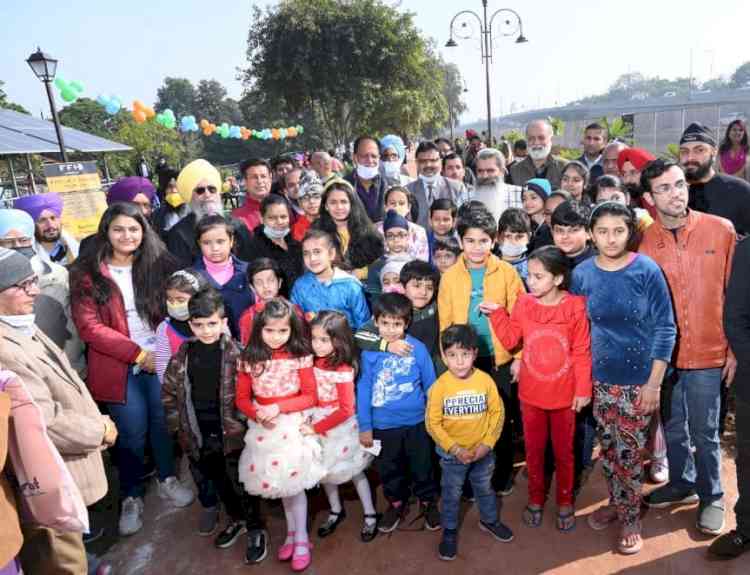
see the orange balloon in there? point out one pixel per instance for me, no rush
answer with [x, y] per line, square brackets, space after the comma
[149, 112]
[276, 134]
[139, 116]
[207, 131]
[291, 132]
[138, 105]
[204, 123]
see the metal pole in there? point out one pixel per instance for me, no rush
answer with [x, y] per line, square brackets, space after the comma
[12, 171]
[450, 119]
[106, 168]
[487, 56]
[31, 173]
[58, 129]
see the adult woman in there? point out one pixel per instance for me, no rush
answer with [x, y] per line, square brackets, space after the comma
[118, 300]
[575, 180]
[632, 338]
[344, 217]
[401, 200]
[733, 151]
[392, 156]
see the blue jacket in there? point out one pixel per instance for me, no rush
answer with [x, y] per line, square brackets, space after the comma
[236, 293]
[392, 390]
[343, 293]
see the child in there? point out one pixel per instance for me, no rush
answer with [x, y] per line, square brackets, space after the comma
[469, 292]
[445, 253]
[569, 231]
[543, 234]
[335, 423]
[180, 287]
[325, 286]
[555, 378]
[396, 230]
[400, 200]
[534, 194]
[199, 396]
[308, 197]
[464, 417]
[513, 237]
[391, 397]
[224, 272]
[275, 385]
[390, 276]
[442, 222]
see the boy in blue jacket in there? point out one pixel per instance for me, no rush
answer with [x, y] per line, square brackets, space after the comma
[391, 400]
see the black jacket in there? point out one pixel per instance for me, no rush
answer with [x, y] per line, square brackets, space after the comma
[737, 317]
[290, 260]
[181, 241]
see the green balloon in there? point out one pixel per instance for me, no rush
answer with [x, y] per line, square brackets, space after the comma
[76, 85]
[60, 83]
[68, 95]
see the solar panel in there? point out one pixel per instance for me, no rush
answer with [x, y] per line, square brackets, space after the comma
[15, 143]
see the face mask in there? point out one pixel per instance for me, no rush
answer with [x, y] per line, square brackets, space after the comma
[174, 199]
[274, 234]
[510, 250]
[178, 311]
[23, 323]
[428, 180]
[394, 288]
[539, 154]
[366, 172]
[27, 252]
[392, 169]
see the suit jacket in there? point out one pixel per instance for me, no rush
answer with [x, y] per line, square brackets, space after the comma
[10, 529]
[444, 188]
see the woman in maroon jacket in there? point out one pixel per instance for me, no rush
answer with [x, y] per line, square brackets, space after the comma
[117, 297]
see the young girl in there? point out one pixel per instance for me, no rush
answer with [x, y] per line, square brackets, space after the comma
[224, 272]
[400, 200]
[335, 422]
[632, 338]
[275, 384]
[555, 376]
[180, 287]
[575, 180]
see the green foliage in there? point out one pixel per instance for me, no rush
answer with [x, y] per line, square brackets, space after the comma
[618, 129]
[741, 76]
[672, 152]
[7, 104]
[149, 140]
[568, 153]
[513, 136]
[88, 116]
[178, 95]
[558, 125]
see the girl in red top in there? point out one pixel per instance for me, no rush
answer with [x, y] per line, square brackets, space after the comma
[275, 385]
[335, 422]
[555, 376]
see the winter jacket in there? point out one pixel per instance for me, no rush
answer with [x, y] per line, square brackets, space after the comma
[289, 260]
[737, 316]
[182, 244]
[342, 293]
[521, 172]
[11, 537]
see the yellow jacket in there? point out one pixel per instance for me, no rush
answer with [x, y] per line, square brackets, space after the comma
[502, 285]
[464, 412]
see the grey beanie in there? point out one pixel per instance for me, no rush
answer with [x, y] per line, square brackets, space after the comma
[14, 268]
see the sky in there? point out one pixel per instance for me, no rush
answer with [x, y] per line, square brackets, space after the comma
[576, 48]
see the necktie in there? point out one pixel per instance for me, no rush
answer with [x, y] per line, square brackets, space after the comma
[429, 193]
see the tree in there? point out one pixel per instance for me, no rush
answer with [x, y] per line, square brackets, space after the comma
[149, 140]
[618, 129]
[88, 116]
[7, 104]
[453, 90]
[741, 76]
[178, 95]
[209, 101]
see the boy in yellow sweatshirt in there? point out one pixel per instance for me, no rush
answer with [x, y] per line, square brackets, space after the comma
[465, 417]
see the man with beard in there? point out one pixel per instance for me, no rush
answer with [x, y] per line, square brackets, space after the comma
[710, 192]
[52, 243]
[199, 184]
[430, 185]
[491, 188]
[609, 158]
[594, 140]
[540, 163]
[630, 164]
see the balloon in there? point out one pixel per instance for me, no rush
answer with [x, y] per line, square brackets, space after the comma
[166, 119]
[235, 132]
[223, 131]
[275, 134]
[204, 124]
[282, 133]
[187, 124]
[113, 106]
[102, 100]
[68, 94]
[291, 132]
[60, 84]
[139, 116]
[76, 85]
[69, 91]
[300, 130]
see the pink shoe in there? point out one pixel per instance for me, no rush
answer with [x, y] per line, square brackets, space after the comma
[302, 562]
[287, 549]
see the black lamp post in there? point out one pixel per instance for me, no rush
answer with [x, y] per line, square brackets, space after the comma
[510, 26]
[45, 67]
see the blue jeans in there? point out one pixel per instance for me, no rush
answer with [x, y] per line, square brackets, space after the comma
[142, 414]
[480, 475]
[694, 421]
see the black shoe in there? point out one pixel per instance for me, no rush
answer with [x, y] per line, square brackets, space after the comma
[369, 530]
[497, 530]
[93, 535]
[431, 515]
[230, 534]
[330, 524]
[729, 546]
[448, 545]
[392, 517]
[257, 546]
[507, 488]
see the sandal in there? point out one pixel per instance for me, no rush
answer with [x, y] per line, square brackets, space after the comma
[287, 549]
[566, 520]
[330, 524]
[369, 530]
[623, 546]
[602, 518]
[532, 517]
[301, 561]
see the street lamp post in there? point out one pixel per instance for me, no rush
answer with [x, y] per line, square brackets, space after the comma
[45, 67]
[511, 25]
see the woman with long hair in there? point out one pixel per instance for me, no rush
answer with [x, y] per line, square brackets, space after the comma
[118, 300]
[734, 159]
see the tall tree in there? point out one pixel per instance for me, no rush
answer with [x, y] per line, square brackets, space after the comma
[7, 104]
[741, 76]
[177, 94]
[209, 101]
[88, 116]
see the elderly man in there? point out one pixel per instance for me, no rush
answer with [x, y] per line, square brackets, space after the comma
[322, 163]
[540, 163]
[74, 424]
[430, 184]
[53, 244]
[491, 188]
[609, 158]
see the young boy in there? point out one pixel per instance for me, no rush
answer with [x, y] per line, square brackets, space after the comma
[391, 399]
[324, 286]
[445, 253]
[513, 237]
[198, 396]
[464, 417]
[569, 221]
[543, 234]
[396, 232]
[469, 292]
[308, 197]
[442, 222]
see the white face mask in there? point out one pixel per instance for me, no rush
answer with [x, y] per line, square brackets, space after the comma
[24, 323]
[274, 234]
[428, 180]
[178, 311]
[392, 169]
[539, 154]
[366, 172]
[511, 250]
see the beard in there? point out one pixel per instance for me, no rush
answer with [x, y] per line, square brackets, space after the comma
[695, 172]
[203, 209]
[540, 153]
[634, 190]
[48, 235]
[489, 182]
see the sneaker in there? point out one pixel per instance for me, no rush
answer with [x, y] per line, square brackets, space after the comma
[659, 470]
[257, 546]
[176, 492]
[448, 545]
[392, 517]
[131, 516]
[208, 521]
[729, 546]
[93, 535]
[497, 530]
[229, 534]
[431, 515]
[507, 489]
[711, 518]
[668, 495]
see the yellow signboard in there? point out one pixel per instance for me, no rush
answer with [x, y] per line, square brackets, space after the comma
[84, 201]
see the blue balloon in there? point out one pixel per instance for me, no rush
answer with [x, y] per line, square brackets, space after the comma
[235, 132]
[102, 100]
[113, 105]
[188, 124]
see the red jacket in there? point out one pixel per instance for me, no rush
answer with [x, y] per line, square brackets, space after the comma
[104, 328]
[249, 213]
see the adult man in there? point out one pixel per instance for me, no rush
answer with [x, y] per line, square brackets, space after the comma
[594, 140]
[520, 150]
[257, 175]
[322, 163]
[710, 192]
[540, 163]
[695, 252]
[472, 149]
[491, 188]
[52, 243]
[445, 146]
[369, 184]
[609, 158]
[289, 189]
[74, 424]
[430, 185]
[630, 163]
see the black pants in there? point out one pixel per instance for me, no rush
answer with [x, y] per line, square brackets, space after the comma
[504, 452]
[742, 507]
[217, 477]
[405, 463]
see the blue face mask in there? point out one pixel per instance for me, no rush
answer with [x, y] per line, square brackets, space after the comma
[274, 234]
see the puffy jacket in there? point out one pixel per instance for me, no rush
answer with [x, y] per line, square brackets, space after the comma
[342, 293]
[236, 293]
[289, 260]
[697, 265]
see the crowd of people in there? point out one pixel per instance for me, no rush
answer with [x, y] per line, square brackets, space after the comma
[423, 333]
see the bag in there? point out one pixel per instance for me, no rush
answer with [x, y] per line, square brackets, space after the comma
[47, 494]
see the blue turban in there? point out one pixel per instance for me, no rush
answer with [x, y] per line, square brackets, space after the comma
[19, 220]
[395, 142]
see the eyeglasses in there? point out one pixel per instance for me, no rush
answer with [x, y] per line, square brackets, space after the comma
[396, 235]
[203, 189]
[29, 284]
[310, 197]
[680, 186]
[11, 243]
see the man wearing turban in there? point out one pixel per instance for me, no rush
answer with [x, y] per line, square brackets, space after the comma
[52, 243]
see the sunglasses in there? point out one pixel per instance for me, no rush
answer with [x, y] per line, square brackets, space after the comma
[203, 189]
